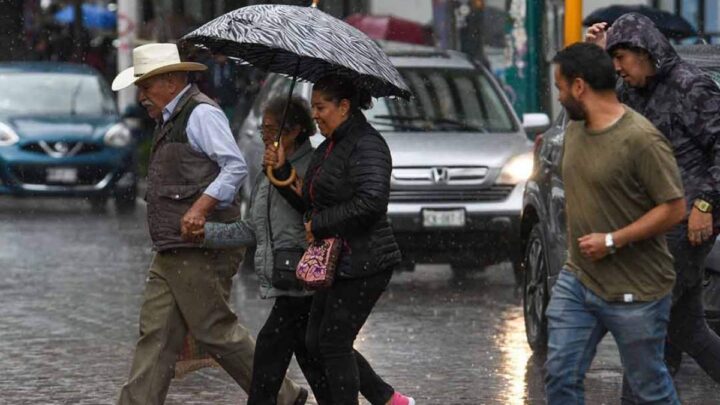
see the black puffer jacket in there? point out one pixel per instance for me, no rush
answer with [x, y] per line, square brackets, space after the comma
[347, 187]
[682, 102]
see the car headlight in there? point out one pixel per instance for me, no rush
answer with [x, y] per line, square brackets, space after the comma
[118, 136]
[517, 169]
[7, 135]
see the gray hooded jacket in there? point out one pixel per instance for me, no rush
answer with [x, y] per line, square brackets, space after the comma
[682, 101]
[287, 226]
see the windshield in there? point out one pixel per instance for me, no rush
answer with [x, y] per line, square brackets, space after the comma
[445, 100]
[41, 93]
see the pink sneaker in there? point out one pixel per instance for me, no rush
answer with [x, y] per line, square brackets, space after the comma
[400, 399]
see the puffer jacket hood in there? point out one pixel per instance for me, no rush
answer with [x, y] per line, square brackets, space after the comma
[638, 31]
[682, 101]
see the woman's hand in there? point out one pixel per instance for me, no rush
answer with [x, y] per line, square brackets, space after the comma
[274, 156]
[297, 186]
[597, 34]
[196, 235]
[308, 233]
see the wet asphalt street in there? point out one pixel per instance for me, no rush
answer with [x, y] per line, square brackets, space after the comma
[71, 281]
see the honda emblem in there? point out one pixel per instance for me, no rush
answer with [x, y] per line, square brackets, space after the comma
[440, 175]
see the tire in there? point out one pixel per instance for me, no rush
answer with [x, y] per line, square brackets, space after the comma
[463, 267]
[98, 203]
[125, 198]
[535, 292]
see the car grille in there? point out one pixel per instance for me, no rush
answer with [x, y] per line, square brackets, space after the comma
[37, 174]
[62, 149]
[446, 176]
[494, 193]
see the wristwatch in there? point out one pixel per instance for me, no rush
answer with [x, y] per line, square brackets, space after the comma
[702, 205]
[610, 243]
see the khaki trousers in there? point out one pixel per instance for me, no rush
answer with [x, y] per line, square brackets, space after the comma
[189, 289]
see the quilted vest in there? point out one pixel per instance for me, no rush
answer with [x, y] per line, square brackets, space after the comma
[177, 177]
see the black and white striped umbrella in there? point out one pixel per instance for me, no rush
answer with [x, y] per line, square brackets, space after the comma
[301, 42]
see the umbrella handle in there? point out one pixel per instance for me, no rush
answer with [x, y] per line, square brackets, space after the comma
[269, 169]
[280, 183]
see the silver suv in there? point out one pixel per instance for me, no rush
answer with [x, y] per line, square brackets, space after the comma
[460, 157]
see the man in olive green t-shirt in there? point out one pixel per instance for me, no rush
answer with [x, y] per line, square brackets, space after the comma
[622, 192]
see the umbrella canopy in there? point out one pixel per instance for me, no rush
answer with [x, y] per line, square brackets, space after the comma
[671, 25]
[94, 16]
[391, 28]
[301, 42]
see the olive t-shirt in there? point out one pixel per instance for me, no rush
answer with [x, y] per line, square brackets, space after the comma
[613, 177]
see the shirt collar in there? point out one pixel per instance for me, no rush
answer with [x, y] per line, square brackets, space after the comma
[170, 107]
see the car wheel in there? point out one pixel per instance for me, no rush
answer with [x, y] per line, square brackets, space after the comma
[461, 268]
[535, 292]
[98, 203]
[125, 198]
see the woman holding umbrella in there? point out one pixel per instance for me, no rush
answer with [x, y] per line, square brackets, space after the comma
[346, 189]
[345, 192]
[273, 225]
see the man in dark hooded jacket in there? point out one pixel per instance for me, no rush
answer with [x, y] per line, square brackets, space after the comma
[684, 104]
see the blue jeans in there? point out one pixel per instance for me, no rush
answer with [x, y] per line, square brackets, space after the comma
[578, 319]
[688, 331]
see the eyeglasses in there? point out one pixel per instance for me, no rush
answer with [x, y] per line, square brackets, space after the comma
[266, 130]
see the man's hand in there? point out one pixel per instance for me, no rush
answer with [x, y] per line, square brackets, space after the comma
[597, 34]
[192, 222]
[700, 227]
[194, 219]
[593, 246]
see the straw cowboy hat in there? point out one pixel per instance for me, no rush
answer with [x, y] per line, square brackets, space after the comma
[151, 60]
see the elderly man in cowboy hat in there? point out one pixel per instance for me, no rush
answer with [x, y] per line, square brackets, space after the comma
[194, 174]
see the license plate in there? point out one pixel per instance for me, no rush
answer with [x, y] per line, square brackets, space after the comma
[66, 175]
[443, 218]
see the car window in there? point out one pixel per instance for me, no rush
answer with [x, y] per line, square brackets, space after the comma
[445, 100]
[54, 93]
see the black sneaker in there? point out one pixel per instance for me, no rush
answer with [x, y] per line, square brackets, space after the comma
[302, 397]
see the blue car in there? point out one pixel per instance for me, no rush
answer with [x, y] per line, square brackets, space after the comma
[61, 135]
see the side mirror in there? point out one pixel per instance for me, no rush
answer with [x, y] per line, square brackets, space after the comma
[535, 123]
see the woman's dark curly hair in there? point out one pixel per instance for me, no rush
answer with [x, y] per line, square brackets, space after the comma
[337, 87]
[298, 114]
